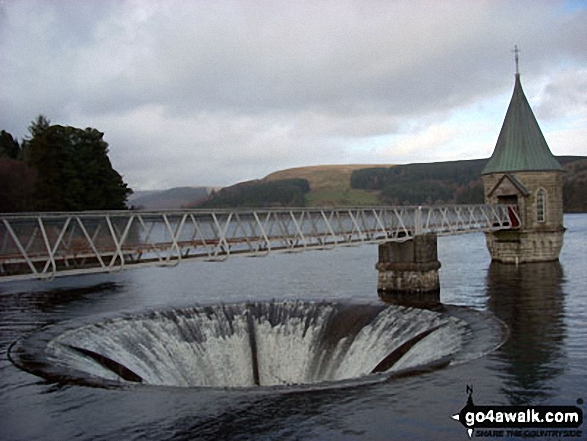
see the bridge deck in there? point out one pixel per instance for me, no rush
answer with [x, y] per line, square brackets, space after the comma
[46, 245]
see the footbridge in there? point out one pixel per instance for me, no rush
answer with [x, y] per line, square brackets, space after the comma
[48, 245]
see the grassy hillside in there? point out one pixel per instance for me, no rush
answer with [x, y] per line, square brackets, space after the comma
[329, 185]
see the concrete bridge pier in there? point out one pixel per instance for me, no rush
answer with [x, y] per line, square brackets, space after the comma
[408, 272]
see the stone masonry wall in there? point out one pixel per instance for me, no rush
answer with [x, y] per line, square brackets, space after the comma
[520, 247]
[535, 241]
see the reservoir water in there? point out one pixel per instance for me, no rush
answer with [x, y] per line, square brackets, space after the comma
[543, 362]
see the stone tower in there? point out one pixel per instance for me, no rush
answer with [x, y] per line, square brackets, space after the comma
[522, 171]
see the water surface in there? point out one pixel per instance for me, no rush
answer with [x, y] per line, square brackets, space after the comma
[543, 362]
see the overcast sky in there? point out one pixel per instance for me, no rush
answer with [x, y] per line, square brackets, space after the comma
[216, 92]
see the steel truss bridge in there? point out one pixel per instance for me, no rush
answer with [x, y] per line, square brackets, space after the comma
[46, 245]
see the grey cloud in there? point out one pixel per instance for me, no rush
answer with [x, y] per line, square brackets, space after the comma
[563, 95]
[248, 86]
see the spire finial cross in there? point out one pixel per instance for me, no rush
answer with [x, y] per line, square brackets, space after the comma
[516, 51]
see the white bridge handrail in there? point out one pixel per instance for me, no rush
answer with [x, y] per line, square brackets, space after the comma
[46, 245]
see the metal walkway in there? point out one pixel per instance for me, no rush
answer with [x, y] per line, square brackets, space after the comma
[46, 245]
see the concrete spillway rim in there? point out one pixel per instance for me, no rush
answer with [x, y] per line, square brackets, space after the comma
[474, 319]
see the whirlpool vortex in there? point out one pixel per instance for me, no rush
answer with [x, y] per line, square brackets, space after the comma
[258, 344]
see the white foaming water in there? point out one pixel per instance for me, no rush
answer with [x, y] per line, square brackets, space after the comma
[261, 344]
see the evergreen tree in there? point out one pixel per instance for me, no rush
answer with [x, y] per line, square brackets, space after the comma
[9, 147]
[279, 193]
[17, 181]
[39, 125]
[74, 172]
[17, 186]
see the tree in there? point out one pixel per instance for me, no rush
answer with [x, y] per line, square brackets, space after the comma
[418, 192]
[39, 125]
[9, 147]
[74, 172]
[17, 186]
[278, 193]
[473, 193]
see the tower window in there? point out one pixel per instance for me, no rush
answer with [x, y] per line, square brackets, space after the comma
[541, 205]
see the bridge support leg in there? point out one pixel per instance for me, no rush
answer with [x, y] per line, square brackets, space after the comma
[408, 272]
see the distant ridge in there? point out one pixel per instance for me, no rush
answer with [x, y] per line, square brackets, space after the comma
[174, 198]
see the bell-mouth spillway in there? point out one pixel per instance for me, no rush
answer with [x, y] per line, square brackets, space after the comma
[260, 344]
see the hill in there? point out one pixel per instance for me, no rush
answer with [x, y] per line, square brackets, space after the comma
[454, 182]
[575, 182]
[329, 184]
[275, 193]
[174, 198]
[360, 185]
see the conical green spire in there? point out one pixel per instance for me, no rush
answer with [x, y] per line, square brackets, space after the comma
[521, 145]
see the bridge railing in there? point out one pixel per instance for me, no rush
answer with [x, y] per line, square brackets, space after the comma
[45, 245]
